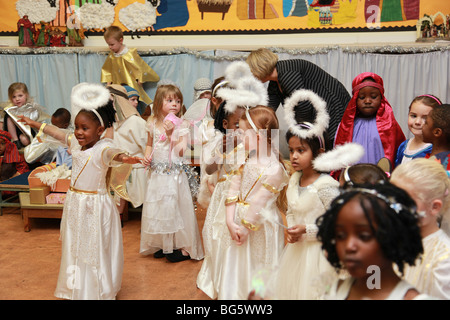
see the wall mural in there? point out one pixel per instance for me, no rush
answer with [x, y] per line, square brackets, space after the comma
[140, 17]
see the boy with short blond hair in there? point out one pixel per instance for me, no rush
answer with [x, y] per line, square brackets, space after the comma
[125, 66]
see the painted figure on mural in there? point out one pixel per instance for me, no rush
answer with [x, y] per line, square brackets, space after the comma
[255, 9]
[172, 13]
[295, 8]
[393, 10]
[25, 28]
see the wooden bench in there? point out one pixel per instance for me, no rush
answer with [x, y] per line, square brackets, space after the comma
[30, 210]
[15, 184]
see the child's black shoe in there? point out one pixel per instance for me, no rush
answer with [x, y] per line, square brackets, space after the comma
[177, 256]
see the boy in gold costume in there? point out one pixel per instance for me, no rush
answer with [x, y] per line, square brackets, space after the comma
[125, 66]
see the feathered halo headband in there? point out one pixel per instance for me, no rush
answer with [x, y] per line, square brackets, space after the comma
[246, 91]
[340, 157]
[89, 96]
[309, 130]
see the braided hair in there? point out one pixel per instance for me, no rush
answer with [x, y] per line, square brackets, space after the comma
[394, 222]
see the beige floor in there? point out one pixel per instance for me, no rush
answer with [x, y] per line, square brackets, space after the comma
[29, 263]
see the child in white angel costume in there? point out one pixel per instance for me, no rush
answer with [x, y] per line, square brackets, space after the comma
[92, 250]
[303, 271]
[221, 163]
[169, 225]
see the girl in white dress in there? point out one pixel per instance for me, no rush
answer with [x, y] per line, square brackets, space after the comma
[253, 207]
[92, 251]
[206, 137]
[367, 230]
[427, 183]
[221, 164]
[309, 194]
[168, 225]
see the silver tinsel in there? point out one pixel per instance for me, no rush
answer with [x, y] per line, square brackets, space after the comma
[388, 49]
[177, 168]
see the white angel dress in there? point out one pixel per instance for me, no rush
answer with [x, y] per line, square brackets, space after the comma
[431, 273]
[92, 249]
[303, 271]
[340, 290]
[168, 218]
[216, 238]
[257, 189]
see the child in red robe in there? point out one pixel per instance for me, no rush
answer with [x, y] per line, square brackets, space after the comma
[369, 120]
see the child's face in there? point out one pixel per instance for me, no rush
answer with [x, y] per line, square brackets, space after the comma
[87, 131]
[356, 245]
[417, 116]
[205, 95]
[134, 101]
[427, 129]
[368, 101]
[232, 123]
[300, 154]
[171, 104]
[19, 98]
[2, 147]
[115, 45]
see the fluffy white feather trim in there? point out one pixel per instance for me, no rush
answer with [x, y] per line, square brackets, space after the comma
[339, 157]
[245, 91]
[322, 118]
[237, 70]
[88, 96]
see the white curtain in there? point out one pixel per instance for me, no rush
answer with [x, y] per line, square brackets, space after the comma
[50, 77]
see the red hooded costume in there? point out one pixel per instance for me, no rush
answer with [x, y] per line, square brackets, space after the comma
[11, 161]
[390, 132]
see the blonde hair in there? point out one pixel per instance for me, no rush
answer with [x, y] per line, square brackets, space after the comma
[262, 62]
[17, 86]
[429, 179]
[265, 118]
[113, 32]
[163, 91]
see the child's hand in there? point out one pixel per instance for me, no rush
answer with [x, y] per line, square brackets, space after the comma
[24, 119]
[242, 234]
[168, 127]
[147, 161]
[295, 233]
[28, 121]
[131, 160]
[233, 228]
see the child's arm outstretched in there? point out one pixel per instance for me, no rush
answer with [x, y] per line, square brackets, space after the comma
[123, 157]
[48, 129]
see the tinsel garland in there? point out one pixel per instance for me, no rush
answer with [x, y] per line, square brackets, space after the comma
[176, 168]
[201, 55]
